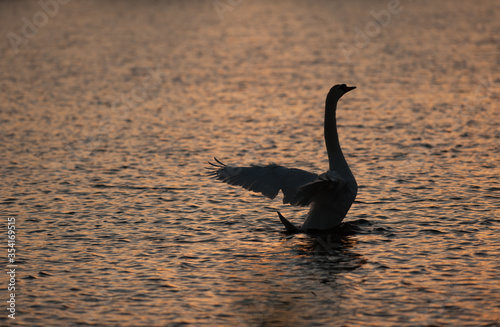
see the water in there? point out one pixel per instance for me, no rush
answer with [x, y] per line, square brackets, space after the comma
[110, 112]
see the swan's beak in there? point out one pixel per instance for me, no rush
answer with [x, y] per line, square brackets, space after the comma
[349, 88]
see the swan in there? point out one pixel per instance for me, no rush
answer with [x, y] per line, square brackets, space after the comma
[329, 195]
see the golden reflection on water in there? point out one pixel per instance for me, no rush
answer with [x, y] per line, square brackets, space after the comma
[119, 225]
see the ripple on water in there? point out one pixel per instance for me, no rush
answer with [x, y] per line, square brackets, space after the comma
[118, 225]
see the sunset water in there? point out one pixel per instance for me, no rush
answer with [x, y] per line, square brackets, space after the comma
[110, 111]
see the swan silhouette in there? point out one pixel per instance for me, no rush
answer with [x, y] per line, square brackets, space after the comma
[329, 195]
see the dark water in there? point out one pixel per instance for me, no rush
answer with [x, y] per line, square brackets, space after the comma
[110, 111]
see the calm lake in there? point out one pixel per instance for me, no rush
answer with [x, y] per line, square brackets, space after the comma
[110, 110]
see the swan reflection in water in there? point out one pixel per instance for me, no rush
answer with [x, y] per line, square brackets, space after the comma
[329, 195]
[332, 251]
[275, 300]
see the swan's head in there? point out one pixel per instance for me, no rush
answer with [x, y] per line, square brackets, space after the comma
[337, 91]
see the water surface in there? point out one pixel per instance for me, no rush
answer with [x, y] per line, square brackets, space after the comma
[111, 111]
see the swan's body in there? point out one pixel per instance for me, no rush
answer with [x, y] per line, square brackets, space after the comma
[330, 195]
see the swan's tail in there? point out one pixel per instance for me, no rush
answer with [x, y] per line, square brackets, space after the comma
[288, 225]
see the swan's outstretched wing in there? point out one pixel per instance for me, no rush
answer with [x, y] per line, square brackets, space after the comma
[327, 186]
[268, 180]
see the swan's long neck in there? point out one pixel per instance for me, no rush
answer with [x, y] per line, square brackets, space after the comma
[335, 155]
